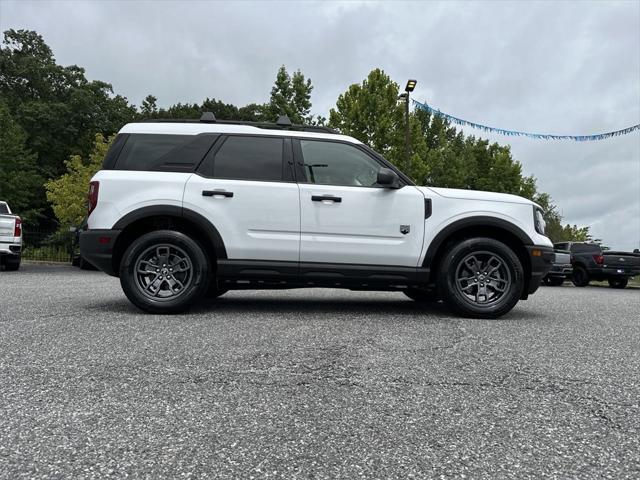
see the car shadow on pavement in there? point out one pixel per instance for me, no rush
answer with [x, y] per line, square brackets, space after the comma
[400, 307]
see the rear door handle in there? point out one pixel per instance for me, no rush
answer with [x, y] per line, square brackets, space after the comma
[215, 193]
[322, 198]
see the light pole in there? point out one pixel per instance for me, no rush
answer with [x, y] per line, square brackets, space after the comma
[411, 85]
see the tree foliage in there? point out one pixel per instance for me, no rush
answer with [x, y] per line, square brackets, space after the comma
[20, 182]
[291, 96]
[68, 193]
[370, 112]
[59, 109]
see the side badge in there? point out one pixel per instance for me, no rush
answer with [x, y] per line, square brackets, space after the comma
[404, 229]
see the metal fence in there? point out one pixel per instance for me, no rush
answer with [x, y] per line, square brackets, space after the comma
[46, 246]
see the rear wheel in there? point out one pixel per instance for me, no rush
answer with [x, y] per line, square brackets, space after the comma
[164, 272]
[580, 277]
[480, 278]
[618, 282]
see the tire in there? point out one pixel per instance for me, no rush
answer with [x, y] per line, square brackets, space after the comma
[420, 295]
[618, 282]
[12, 264]
[580, 276]
[147, 272]
[554, 281]
[468, 263]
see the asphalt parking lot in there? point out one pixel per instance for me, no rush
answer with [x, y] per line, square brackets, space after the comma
[314, 384]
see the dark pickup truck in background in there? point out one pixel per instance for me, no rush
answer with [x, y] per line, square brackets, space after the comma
[590, 262]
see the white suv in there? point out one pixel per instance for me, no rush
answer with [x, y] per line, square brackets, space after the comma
[185, 209]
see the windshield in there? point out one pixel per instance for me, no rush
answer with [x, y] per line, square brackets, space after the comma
[4, 209]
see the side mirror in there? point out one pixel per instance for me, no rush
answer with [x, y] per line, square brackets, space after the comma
[388, 178]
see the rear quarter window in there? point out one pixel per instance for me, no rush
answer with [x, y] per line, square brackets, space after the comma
[159, 152]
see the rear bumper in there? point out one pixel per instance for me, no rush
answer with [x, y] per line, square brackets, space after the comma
[615, 272]
[96, 247]
[10, 248]
[541, 261]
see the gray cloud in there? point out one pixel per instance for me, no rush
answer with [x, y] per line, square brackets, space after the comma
[562, 67]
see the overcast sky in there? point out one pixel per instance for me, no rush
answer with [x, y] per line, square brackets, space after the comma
[551, 67]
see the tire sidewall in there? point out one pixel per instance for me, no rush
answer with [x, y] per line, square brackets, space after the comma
[447, 272]
[194, 291]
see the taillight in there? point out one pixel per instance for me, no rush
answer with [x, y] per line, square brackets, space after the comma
[17, 229]
[599, 259]
[92, 197]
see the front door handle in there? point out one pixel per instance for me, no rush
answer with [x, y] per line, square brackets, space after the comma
[322, 198]
[215, 193]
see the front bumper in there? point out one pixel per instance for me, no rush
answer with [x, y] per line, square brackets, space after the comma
[96, 247]
[541, 261]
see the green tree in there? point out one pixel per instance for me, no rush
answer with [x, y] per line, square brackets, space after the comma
[20, 183]
[149, 107]
[291, 96]
[59, 109]
[370, 112]
[68, 193]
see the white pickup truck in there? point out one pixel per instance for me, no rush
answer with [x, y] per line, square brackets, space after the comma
[10, 238]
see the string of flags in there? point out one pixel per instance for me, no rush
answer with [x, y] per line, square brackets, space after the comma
[516, 133]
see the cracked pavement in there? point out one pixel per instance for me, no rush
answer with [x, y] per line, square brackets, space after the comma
[314, 384]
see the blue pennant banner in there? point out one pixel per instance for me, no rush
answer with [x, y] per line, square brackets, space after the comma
[515, 133]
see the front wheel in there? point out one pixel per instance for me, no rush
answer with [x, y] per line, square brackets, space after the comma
[618, 282]
[480, 278]
[164, 272]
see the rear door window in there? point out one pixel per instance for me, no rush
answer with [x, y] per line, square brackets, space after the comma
[250, 158]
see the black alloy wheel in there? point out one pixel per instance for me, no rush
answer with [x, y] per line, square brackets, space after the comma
[481, 278]
[164, 272]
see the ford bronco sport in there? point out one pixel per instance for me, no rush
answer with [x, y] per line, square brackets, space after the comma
[184, 209]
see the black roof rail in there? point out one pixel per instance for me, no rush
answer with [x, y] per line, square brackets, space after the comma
[283, 123]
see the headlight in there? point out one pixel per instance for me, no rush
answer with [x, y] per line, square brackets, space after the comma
[538, 220]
